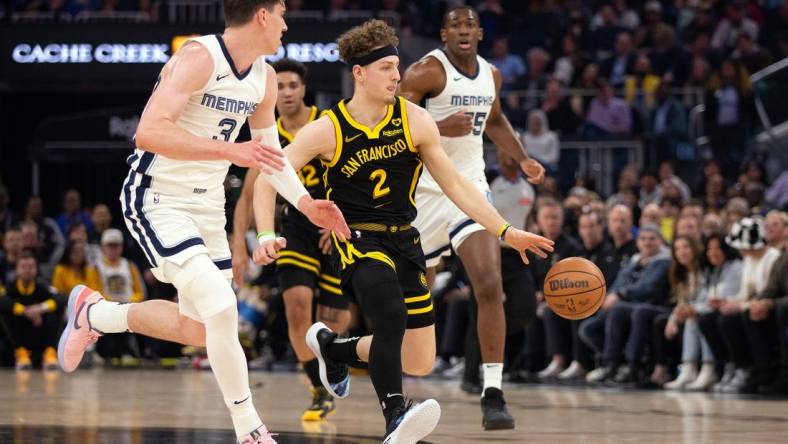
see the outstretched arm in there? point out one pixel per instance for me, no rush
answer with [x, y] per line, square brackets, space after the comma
[462, 192]
[313, 140]
[503, 135]
[188, 71]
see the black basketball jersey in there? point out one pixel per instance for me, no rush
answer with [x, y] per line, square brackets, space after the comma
[311, 173]
[373, 174]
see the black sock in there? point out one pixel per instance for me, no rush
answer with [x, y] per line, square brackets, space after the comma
[343, 350]
[312, 369]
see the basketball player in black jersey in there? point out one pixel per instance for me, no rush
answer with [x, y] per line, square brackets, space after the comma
[304, 267]
[374, 146]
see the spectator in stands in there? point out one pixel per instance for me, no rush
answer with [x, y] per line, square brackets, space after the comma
[777, 195]
[562, 335]
[102, 221]
[714, 193]
[619, 230]
[689, 227]
[702, 24]
[536, 77]
[550, 219]
[726, 324]
[619, 65]
[561, 118]
[492, 17]
[641, 84]
[667, 171]
[755, 195]
[8, 217]
[667, 123]
[768, 324]
[651, 214]
[588, 81]
[604, 32]
[74, 270]
[728, 107]
[627, 182]
[31, 241]
[31, 313]
[649, 189]
[669, 210]
[541, 142]
[643, 280]
[749, 54]
[628, 18]
[119, 281]
[693, 208]
[721, 278]
[735, 210]
[510, 65]
[775, 223]
[712, 224]
[571, 62]
[51, 239]
[12, 249]
[699, 74]
[730, 27]
[608, 116]
[646, 35]
[72, 212]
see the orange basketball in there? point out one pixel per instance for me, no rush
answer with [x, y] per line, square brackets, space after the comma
[574, 288]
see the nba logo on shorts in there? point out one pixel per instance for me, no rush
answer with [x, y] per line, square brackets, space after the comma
[156, 198]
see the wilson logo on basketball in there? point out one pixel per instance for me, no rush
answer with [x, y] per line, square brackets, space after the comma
[564, 284]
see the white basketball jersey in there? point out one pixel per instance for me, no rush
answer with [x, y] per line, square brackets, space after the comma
[217, 111]
[475, 96]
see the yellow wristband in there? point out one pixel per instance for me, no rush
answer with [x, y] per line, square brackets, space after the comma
[502, 231]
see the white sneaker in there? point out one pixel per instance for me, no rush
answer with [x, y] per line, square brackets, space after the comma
[413, 422]
[598, 374]
[574, 371]
[706, 378]
[551, 371]
[688, 372]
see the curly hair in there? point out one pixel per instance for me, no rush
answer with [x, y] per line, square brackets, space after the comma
[362, 39]
[290, 65]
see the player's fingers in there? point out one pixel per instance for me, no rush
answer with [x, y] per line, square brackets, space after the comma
[280, 243]
[264, 169]
[537, 251]
[524, 256]
[270, 157]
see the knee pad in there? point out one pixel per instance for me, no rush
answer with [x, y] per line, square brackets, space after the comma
[201, 285]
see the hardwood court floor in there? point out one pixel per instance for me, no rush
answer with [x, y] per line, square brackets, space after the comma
[147, 406]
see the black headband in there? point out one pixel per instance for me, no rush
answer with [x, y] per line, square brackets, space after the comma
[373, 56]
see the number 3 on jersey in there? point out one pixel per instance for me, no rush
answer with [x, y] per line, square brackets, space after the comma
[227, 126]
[478, 121]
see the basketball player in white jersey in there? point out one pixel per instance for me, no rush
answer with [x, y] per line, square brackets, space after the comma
[173, 199]
[460, 90]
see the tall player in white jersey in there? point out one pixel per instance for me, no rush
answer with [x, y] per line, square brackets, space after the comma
[173, 199]
[461, 92]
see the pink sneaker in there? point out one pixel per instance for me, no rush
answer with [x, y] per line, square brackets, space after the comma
[259, 436]
[78, 335]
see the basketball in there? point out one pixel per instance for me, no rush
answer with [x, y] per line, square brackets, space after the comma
[574, 288]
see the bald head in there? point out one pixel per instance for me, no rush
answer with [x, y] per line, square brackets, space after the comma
[619, 223]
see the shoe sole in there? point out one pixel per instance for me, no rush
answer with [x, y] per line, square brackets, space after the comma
[417, 424]
[502, 424]
[61, 345]
[314, 345]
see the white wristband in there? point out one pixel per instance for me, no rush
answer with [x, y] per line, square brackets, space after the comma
[286, 181]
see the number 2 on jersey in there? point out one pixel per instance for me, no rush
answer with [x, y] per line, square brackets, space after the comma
[478, 121]
[379, 175]
[227, 126]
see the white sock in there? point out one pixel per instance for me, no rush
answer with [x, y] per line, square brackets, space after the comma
[228, 364]
[109, 317]
[493, 375]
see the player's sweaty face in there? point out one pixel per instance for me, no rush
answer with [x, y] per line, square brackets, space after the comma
[291, 92]
[462, 32]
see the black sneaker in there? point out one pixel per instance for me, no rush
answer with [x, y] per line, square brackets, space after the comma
[471, 387]
[494, 413]
[334, 375]
[410, 423]
[322, 405]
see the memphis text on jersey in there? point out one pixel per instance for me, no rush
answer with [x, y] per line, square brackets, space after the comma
[365, 155]
[226, 104]
[463, 100]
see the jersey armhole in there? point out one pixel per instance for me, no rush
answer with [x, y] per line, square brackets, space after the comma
[406, 123]
[445, 80]
[211, 78]
[338, 136]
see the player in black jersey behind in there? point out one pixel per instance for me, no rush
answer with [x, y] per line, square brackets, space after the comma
[373, 146]
[306, 265]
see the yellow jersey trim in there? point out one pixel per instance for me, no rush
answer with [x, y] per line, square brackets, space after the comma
[413, 299]
[330, 279]
[329, 288]
[371, 133]
[297, 255]
[414, 182]
[338, 135]
[297, 263]
[287, 134]
[416, 311]
[405, 124]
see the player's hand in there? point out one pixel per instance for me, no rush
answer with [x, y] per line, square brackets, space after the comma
[253, 154]
[240, 261]
[268, 251]
[534, 170]
[456, 125]
[524, 241]
[325, 241]
[325, 214]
